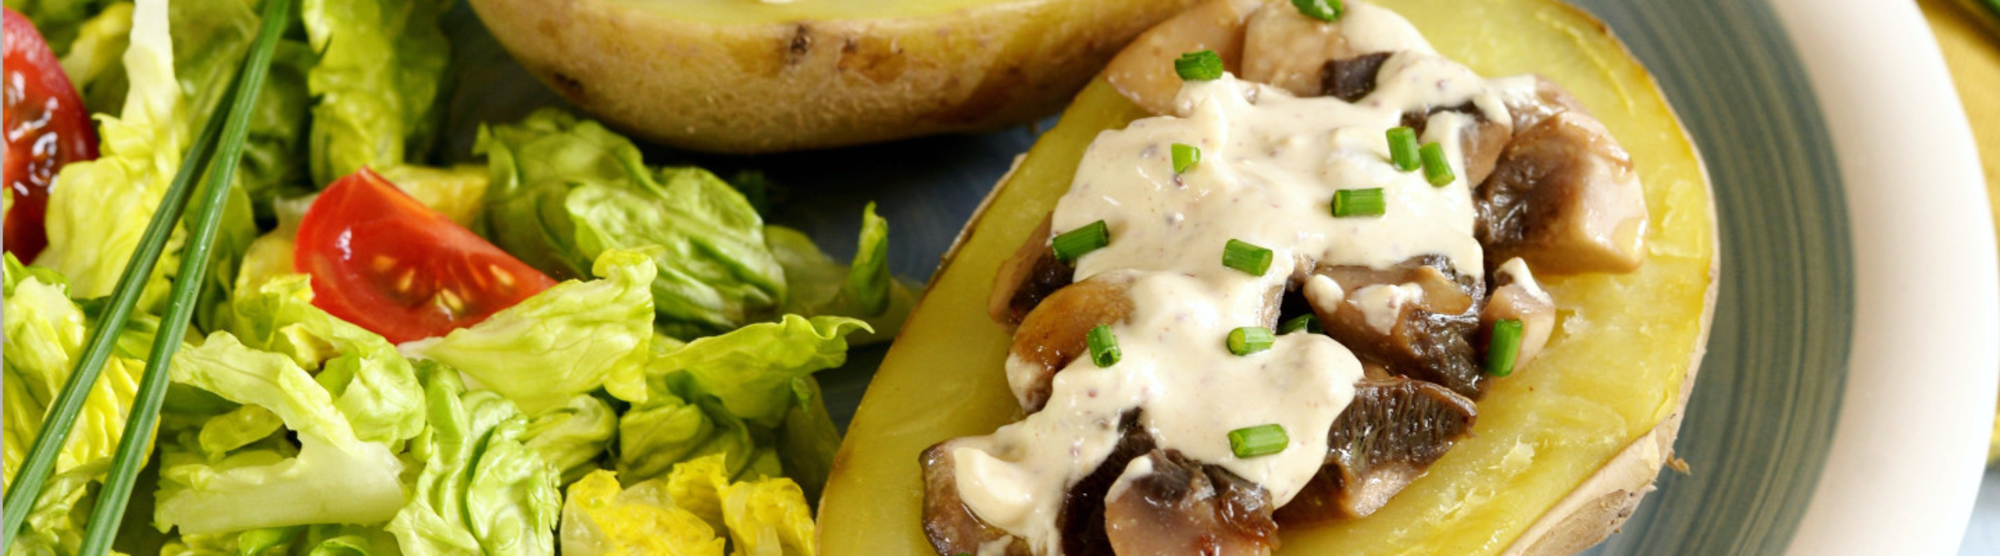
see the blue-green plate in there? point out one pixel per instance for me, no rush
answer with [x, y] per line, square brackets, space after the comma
[1850, 376]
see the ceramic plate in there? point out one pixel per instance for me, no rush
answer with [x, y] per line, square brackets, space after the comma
[1844, 402]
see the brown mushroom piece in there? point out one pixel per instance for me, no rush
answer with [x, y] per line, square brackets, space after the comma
[1565, 198]
[1428, 335]
[1549, 99]
[1387, 437]
[1033, 273]
[1167, 504]
[1516, 296]
[950, 525]
[1482, 139]
[1057, 330]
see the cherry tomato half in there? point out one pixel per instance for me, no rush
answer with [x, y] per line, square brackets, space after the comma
[47, 127]
[382, 260]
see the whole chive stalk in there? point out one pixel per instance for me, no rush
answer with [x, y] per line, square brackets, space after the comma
[1075, 243]
[1308, 323]
[1359, 202]
[1203, 65]
[1246, 257]
[1185, 157]
[1250, 339]
[1103, 346]
[137, 437]
[1436, 169]
[1261, 440]
[1403, 149]
[1504, 348]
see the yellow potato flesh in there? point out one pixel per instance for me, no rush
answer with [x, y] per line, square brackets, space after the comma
[1612, 372]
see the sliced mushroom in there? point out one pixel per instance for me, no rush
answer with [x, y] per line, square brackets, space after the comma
[1144, 71]
[1565, 198]
[1286, 49]
[1082, 520]
[1056, 333]
[1387, 437]
[1166, 504]
[1026, 278]
[950, 525]
[1483, 139]
[1548, 100]
[1413, 320]
[1350, 79]
[1517, 296]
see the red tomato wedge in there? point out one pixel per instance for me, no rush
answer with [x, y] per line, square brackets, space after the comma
[47, 127]
[382, 260]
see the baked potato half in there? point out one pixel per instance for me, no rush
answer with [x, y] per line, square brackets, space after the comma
[743, 76]
[1561, 451]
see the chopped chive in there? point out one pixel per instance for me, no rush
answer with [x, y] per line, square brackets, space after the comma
[1436, 170]
[1204, 65]
[1074, 243]
[1250, 339]
[1403, 148]
[1103, 346]
[1306, 322]
[1358, 202]
[1323, 10]
[1246, 257]
[1185, 157]
[1261, 440]
[1505, 347]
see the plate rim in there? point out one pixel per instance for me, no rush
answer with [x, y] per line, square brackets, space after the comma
[1883, 56]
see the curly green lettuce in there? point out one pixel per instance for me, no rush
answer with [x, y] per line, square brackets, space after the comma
[482, 489]
[376, 87]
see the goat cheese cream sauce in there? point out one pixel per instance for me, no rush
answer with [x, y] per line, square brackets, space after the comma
[1270, 164]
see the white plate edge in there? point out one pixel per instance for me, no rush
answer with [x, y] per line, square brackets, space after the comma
[1905, 463]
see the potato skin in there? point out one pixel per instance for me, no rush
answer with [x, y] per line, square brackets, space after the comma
[787, 85]
[1562, 452]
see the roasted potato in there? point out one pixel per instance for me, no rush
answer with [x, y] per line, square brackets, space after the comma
[744, 76]
[1562, 450]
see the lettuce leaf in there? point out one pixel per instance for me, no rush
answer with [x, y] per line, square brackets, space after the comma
[573, 437]
[96, 218]
[92, 62]
[732, 395]
[764, 517]
[863, 289]
[45, 332]
[380, 74]
[577, 189]
[482, 490]
[336, 477]
[568, 340]
[459, 191]
[372, 384]
[314, 540]
[601, 520]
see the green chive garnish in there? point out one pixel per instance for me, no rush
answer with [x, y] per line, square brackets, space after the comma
[1436, 170]
[1075, 243]
[1261, 440]
[1185, 156]
[1103, 346]
[202, 228]
[1358, 202]
[1199, 66]
[1250, 339]
[1246, 257]
[1504, 348]
[1323, 10]
[1403, 149]
[1306, 322]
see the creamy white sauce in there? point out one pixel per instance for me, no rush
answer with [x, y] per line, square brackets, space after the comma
[1270, 164]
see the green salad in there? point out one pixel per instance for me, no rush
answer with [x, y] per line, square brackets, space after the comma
[563, 349]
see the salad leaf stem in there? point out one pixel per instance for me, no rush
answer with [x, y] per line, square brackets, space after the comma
[134, 444]
[48, 444]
